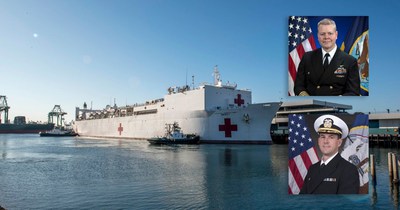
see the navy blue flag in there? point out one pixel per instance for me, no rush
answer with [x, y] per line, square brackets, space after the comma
[356, 149]
[356, 44]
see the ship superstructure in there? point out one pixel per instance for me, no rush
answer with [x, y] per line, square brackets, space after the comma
[217, 113]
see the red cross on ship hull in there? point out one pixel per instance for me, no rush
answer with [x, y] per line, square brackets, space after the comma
[239, 101]
[120, 128]
[228, 127]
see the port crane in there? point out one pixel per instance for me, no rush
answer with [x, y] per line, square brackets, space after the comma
[4, 107]
[58, 113]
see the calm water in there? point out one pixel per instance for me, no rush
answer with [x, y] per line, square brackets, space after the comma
[73, 173]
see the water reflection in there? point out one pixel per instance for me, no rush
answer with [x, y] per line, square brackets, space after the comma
[122, 174]
[374, 195]
[394, 192]
[240, 176]
[4, 150]
[383, 189]
[227, 157]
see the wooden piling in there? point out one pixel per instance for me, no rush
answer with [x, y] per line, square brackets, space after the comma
[394, 186]
[373, 171]
[390, 165]
[394, 165]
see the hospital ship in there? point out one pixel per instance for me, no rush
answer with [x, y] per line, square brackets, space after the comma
[218, 113]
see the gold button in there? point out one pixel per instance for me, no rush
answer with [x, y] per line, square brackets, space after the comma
[318, 87]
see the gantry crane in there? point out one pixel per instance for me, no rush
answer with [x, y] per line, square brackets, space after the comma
[59, 113]
[4, 107]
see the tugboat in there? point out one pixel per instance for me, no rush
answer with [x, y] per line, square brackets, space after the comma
[174, 135]
[58, 132]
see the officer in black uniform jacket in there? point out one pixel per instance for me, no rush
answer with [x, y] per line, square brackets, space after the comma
[337, 76]
[333, 174]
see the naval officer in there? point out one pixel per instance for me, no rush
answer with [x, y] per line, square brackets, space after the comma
[332, 174]
[327, 71]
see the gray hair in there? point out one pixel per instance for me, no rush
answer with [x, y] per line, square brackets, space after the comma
[327, 21]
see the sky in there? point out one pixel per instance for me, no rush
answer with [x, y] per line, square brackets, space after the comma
[67, 52]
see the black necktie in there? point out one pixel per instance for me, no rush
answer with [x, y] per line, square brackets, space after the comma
[322, 165]
[326, 61]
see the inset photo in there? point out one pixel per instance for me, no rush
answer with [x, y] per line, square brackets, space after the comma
[328, 154]
[328, 56]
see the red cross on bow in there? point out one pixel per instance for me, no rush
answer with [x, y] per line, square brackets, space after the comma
[239, 101]
[120, 128]
[228, 127]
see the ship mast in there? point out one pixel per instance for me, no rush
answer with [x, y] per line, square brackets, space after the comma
[217, 81]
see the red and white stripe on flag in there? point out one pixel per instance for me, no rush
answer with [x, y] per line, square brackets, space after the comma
[301, 40]
[298, 168]
[302, 153]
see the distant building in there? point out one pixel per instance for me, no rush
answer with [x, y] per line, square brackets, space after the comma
[380, 124]
[384, 124]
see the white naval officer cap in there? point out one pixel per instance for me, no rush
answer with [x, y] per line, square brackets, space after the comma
[331, 124]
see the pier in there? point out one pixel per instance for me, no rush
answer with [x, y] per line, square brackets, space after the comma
[384, 130]
[384, 141]
[386, 138]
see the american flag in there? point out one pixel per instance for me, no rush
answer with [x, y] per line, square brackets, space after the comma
[302, 153]
[301, 40]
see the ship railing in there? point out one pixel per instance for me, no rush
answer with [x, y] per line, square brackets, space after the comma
[112, 112]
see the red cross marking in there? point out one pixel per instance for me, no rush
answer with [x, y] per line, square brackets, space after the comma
[228, 127]
[239, 101]
[120, 128]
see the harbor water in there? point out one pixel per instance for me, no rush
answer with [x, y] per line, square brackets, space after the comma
[79, 173]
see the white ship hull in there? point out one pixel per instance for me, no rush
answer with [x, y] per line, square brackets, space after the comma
[249, 125]
[218, 114]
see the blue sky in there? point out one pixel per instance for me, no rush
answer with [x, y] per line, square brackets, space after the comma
[68, 52]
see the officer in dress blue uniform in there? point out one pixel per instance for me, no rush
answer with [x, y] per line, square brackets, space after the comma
[332, 174]
[327, 71]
